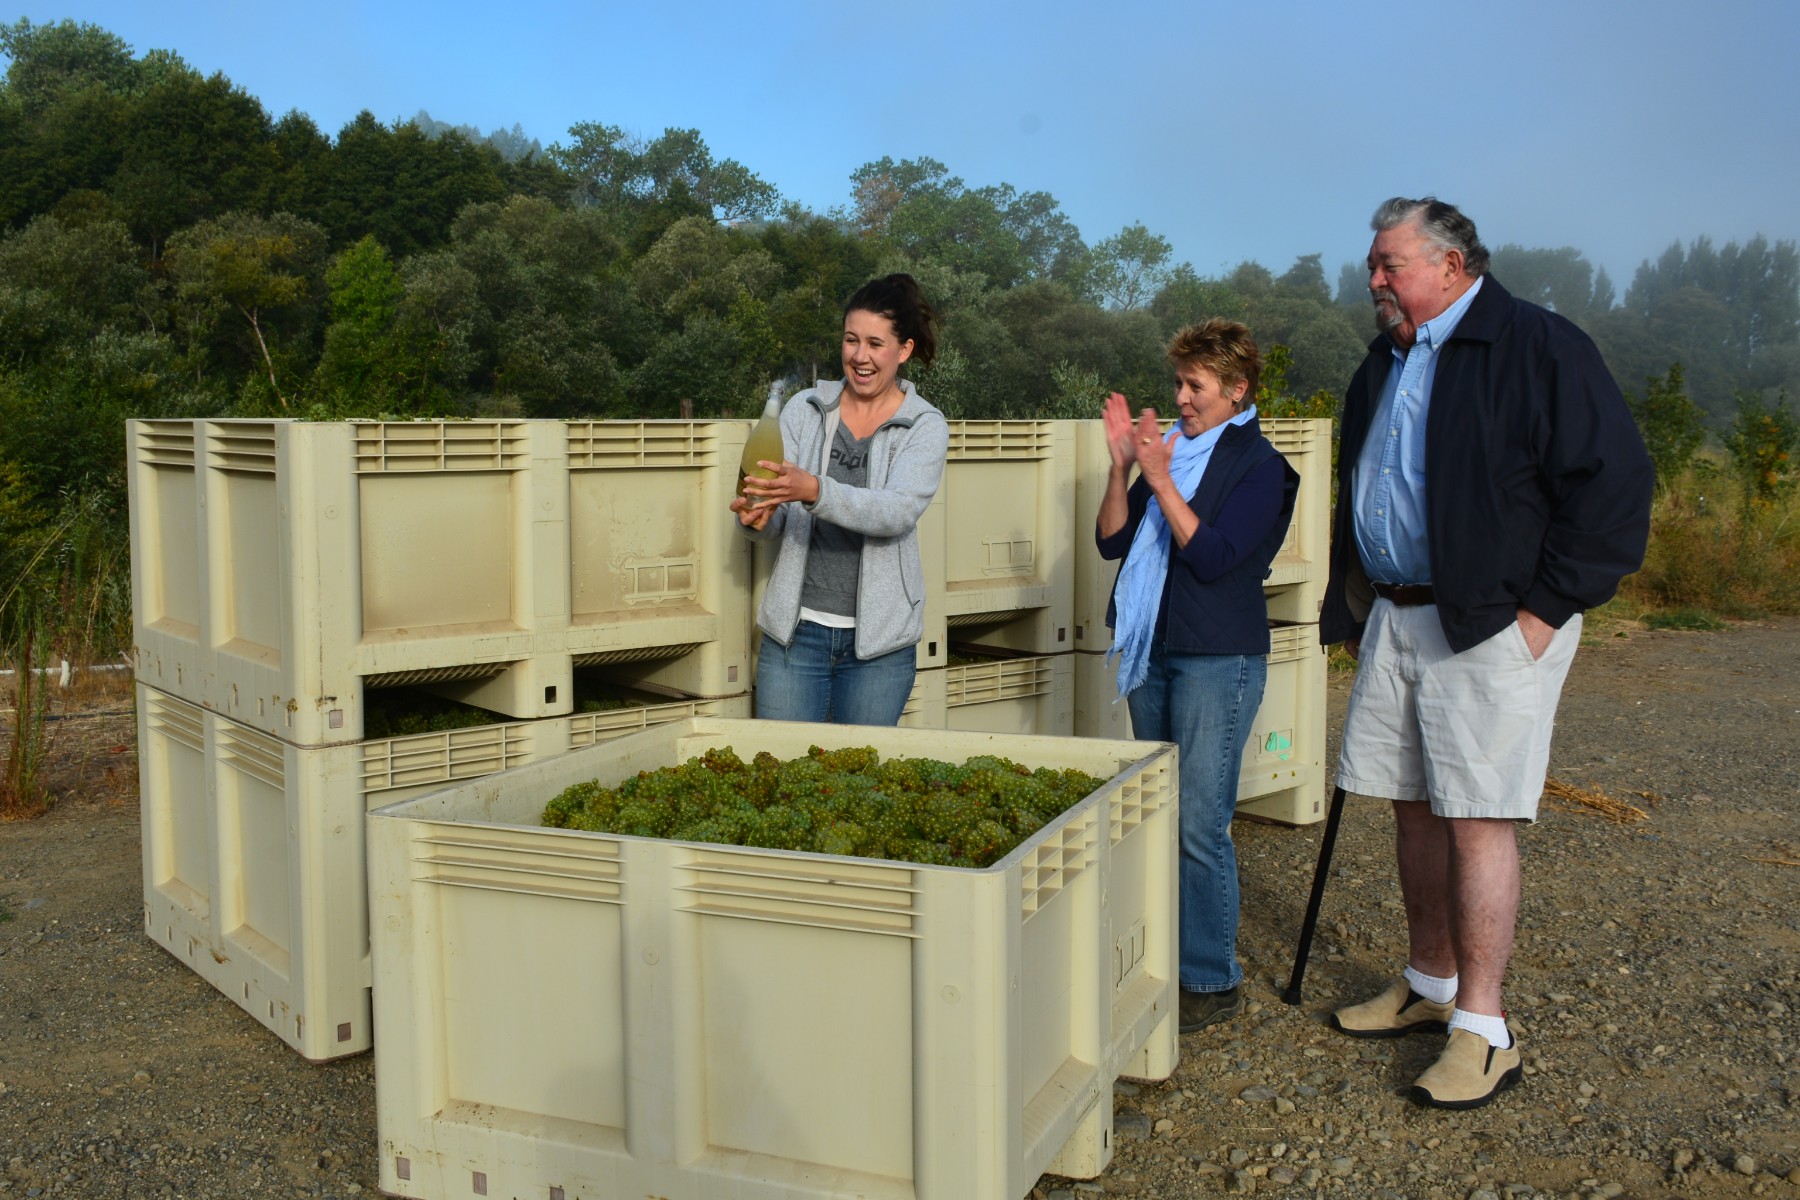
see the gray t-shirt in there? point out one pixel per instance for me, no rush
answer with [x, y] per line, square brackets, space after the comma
[835, 557]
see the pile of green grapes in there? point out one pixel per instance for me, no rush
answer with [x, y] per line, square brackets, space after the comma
[833, 802]
[402, 711]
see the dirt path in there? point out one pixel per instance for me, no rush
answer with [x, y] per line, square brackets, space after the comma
[1656, 980]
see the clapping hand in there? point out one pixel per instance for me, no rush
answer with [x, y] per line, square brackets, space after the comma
[1121, 431]
[1153, 454]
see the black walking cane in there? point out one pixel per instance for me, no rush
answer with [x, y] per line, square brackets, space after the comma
[1320, 874]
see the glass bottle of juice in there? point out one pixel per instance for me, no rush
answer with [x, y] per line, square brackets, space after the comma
[765, 443]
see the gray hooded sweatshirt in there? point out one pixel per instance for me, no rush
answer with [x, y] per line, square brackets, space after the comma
[906, 464]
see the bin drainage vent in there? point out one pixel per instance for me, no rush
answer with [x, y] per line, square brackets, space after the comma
[434, 675]
[986, 618]
[636, 654]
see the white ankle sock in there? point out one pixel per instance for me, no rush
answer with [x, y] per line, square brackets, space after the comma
[1492, 1028]
[1438, 991]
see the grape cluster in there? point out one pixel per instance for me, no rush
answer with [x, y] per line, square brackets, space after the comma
[400, 712]
[847, 802]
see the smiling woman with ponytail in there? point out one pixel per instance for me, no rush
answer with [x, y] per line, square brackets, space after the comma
[864, 455]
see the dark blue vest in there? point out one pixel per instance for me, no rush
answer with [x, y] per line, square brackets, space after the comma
[1227, 615]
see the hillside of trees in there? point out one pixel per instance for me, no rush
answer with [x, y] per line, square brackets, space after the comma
[170, 248]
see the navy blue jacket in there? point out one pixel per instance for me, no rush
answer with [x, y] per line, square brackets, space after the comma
[1212, 599]
[1537, 484]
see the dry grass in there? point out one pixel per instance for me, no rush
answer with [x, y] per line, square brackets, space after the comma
[87, 746]
[1594, 801]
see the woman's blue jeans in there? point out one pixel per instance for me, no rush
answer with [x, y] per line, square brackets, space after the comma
[819, 678]
[1205, 704]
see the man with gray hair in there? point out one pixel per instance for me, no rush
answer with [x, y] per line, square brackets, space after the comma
[1492, 486]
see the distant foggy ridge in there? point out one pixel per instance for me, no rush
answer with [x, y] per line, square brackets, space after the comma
[512, 144]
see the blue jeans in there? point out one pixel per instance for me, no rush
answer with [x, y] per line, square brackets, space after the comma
[819, 678]
[1205, 704]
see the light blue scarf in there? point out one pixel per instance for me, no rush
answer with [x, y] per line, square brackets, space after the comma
[1139, 592]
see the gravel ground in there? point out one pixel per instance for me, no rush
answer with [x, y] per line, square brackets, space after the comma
[1655, 984]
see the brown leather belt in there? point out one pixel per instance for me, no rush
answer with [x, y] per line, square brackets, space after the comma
[1405, 595]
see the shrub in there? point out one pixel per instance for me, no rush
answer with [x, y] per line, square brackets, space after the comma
[1762, 445]
[1670, 423]
[1717, 549]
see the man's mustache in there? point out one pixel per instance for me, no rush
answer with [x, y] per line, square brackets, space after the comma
[1392, 317]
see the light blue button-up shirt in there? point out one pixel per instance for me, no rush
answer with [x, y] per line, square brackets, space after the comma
[1389, 489]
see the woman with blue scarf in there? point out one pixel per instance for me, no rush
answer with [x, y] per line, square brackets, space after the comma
[1198, 529]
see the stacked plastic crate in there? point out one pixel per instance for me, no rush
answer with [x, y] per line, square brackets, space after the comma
[284, 572]
[1283, 770]
[1008, 572]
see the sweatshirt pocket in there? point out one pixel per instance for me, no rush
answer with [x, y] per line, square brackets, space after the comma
[912, 573]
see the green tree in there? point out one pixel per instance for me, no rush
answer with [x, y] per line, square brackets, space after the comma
[259, 275]
[701, 370]
[73, 145]
[1130, 267]
[302, 167]
[1187, 299]
[821, 265]
[402, 187]
[879, 189]
[61, 284]
[193, 149]
[1731, 316]
[1670, 424]
[531, 307]
[1561, 280]
[1305, 280]
[612, 169]
[692, 268]
[373, 364]
[1004, 235]
[48, 63]
[1352, 287]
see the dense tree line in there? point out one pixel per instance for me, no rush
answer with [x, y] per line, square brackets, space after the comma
[168, 248]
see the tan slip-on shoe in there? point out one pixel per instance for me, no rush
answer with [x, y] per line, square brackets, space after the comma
[1395, 1013]
[1469, 1073]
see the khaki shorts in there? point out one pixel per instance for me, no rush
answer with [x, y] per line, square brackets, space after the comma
[1469, 732]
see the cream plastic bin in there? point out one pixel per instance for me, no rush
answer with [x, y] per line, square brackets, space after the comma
[1093, 575]
[1013, 695]
[1009, 505]
[166, 573]
[253, 848]
[1296, 582]
[925, 707]
[1287, 741]
[655, 561]
[1283, 773]
[584, 1015]
[1096, 687]
[482, 559]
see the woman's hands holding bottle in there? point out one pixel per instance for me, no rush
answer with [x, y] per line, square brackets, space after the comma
[761, 496]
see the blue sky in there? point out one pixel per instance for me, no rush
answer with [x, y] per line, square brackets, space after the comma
[1249, 130]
